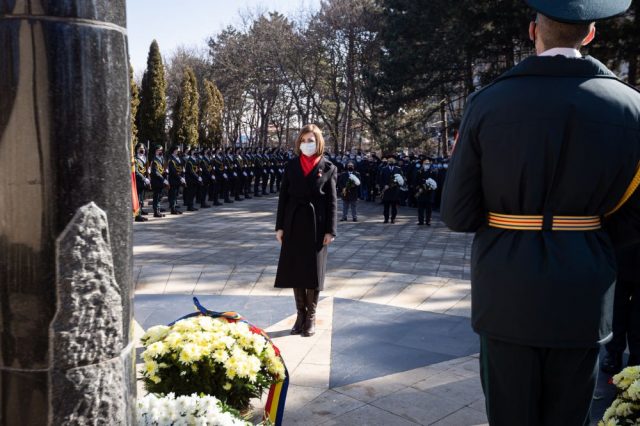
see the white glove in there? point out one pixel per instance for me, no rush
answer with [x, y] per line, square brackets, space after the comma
[199, 179]
[166, 182]
[182, 181]
[147, 181]
[399, 179]
[355, 179]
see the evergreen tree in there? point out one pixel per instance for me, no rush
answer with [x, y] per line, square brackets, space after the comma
[153, 103]
[185, 112]
[134, 93]
[211, 116]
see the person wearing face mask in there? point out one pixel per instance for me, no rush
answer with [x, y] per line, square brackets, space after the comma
[348, 185]
[306, 225]
[390, 179]
[142, 181]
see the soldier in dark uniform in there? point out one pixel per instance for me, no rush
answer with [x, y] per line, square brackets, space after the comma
[176, 180]
[205, 173]
[264, 181]
[142, 181]
[544, 153]
[257, 173]
[158, 181]
[193, 180]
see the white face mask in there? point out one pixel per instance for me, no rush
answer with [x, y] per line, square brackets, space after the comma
[308, 148]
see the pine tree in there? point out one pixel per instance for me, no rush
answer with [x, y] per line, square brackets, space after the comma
[185, 112]
[153, 103]
[211, 116]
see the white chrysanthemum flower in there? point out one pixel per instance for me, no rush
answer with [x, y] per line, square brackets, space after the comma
[154, 334]
[190, 353]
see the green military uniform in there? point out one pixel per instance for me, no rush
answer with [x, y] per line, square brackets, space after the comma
[553, 137]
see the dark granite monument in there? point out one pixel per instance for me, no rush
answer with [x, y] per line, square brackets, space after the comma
[65, 214]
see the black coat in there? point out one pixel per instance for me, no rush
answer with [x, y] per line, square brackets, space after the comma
[558, 136]
[386, 177]
[307, 210]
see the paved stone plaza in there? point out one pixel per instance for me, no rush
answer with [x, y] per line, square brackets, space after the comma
[394, 345]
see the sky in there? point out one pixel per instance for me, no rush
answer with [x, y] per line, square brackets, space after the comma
[189, 23]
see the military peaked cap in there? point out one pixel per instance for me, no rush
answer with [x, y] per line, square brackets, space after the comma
[579, 11]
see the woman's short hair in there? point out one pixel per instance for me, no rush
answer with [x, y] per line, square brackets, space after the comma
[311, 128]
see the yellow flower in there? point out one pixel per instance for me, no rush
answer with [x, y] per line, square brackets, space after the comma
[150, 368]
[227, 386]
[626, 377]
[634, 390]
[624, 409]
[186, 326]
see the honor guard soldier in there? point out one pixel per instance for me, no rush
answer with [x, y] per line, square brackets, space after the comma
[193, 180]
[544, 160]
[142, 181]
[176, 179]
[158, 180]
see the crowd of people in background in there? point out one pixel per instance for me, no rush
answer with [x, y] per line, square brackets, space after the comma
[213, 177]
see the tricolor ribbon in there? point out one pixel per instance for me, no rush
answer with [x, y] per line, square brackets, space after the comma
[274, 409]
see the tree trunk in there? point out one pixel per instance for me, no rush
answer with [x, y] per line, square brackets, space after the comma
[65, 214]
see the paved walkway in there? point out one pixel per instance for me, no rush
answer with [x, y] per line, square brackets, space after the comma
[394, 344]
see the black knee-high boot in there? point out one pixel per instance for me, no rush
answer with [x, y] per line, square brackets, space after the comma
[311, 302]
[299, 295]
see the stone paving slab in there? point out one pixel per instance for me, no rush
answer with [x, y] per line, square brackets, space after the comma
[393, 343]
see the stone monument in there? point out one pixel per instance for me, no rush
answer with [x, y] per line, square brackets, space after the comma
[65, 214]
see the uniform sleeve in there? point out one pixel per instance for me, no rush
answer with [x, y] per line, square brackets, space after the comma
[332, 205]
[462, 207]
[624, 225]
[283, 199]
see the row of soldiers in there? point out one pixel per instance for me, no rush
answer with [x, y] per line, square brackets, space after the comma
[206, 175]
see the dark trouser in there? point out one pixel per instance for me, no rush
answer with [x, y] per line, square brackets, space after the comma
[189, 194]
[157, 196]
[202, 195]
[394, 209]
[173, 196]
[531, 386]
[214, 190]
[626, 318]
[141, 197]
[424, 212]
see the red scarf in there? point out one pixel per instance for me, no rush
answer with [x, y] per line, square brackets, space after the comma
[308, 163]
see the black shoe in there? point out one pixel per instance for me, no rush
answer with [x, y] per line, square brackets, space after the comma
[299, 295]
[428, 223]
[192, 209]
[393, 221]
[247, 197]
[143, 213]
[140, 219]
[257, 195]
[355, 219]
[420, 223]
[156, 214]
[227, 200]
[217, 203]
[311, 303]
[204, 206]
[162, 210]
[386, 221]
[237, 198]
[344, 219]
[612, 363]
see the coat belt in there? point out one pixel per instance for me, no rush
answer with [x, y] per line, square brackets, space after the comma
[535, 223]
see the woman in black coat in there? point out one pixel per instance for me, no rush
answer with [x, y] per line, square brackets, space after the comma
[306, 225]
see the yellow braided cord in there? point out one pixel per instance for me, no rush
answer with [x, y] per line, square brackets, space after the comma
[628, 193]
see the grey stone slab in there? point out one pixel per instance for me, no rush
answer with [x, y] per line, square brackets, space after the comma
[370, 416]
[464, 416]
[419, 407]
